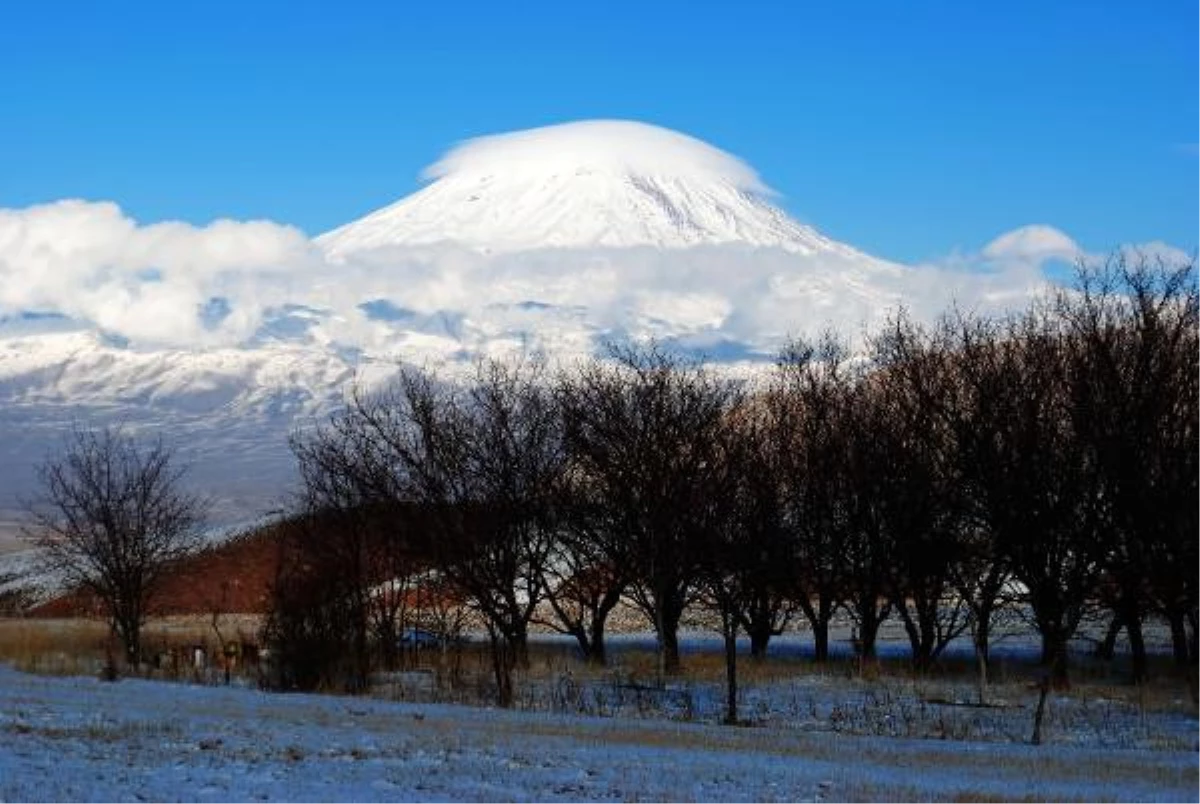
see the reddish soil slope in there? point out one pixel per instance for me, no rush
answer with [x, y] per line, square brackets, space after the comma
[234, 577]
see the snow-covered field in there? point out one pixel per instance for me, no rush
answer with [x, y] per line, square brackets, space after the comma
[80, 739]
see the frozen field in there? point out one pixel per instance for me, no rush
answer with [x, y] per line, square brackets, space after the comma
[79, 739]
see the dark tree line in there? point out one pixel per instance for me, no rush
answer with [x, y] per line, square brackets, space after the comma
[1048, 459]
[1072, 439]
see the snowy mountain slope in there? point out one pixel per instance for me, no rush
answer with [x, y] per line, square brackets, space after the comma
[228, 412]
[584, 185]
[228, 337]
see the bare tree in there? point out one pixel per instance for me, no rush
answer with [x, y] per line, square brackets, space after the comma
[965, 347]
[478, 465]
[457, 479]
[582, 587]
[347, 559]
[868, 527]
[1131, 336]
[112, 515]
[642, 429]
[755, 513]
[909, 395]
[1038, 484]
[746, 563]
[807, 403]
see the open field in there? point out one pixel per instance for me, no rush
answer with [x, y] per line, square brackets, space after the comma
[812, 733]
[80, 739]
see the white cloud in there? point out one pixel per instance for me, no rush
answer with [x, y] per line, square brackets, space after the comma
[1036, 242]
[621, 145]
[1157, 251]
[227, 283]
[89, 261]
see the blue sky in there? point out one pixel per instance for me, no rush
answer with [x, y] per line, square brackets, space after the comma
[909, 130]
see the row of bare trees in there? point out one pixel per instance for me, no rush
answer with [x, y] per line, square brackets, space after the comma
[1072, 433]
[1050, 455]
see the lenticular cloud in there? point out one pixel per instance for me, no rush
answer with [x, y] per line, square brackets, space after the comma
[618, 146]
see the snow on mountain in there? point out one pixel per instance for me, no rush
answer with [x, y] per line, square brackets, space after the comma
[600, 183]
[228, 412]
[227, 337]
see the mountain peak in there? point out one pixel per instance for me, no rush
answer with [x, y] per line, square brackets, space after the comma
[587, 184]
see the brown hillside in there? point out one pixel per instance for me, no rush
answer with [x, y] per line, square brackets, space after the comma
[233, 577]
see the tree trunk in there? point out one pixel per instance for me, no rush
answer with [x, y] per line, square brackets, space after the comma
[128, 626]
[821, 641]
[869, 620]
[502, 667]
[357, 683]
[1040, 712]
[760, 626]
[867, 636]
[1193, 647]
[581, 637]
[818, 620]
[1192, 680]
[519, 647]
[133, 650]
[980, 627]
[983, 632]
[1179, 639]
[922, 634]
[669, 646]
[666, 624]
[927, 619]
[981, 664]
[1108, 646]
[758, 643]
[730, 629]
[388, 648]
[597, 655]
[588, 628]
[1137, 647]
[910, 628]
[1054, 656]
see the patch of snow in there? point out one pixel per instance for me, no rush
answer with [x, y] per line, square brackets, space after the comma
[80, 739]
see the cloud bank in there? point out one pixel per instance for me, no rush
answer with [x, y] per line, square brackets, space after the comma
[239, 283]
[150, 284]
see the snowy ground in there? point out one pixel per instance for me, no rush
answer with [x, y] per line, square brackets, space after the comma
[79, 739]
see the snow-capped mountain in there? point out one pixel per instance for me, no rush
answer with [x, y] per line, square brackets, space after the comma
[591, 184]
[228, 337]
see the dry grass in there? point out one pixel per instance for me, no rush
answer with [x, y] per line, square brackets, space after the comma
[780, 689]
[81, 646]
[54, 647]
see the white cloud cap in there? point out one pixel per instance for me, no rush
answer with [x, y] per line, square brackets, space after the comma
[1034, 242]
[619, 146]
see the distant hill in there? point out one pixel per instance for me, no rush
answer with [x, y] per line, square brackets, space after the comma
[233, 577]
